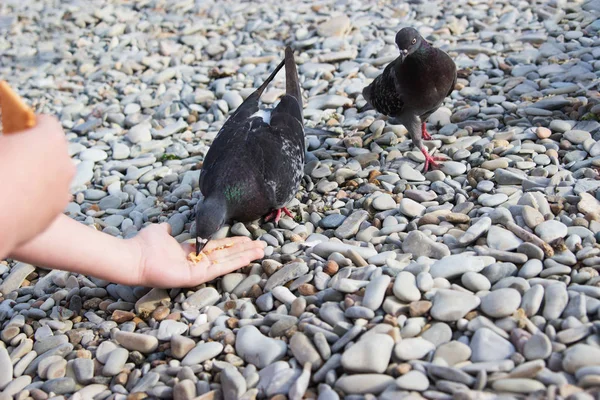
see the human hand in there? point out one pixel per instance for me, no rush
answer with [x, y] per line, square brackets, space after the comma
[37, 170]
[164, 263]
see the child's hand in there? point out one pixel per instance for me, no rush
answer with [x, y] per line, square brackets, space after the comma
[164, 262]
[36, 171]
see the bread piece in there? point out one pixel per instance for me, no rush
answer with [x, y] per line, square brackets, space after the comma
[16, 115]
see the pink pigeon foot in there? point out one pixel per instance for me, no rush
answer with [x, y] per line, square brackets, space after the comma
[430, 160]
[424, 132]
[275, 215]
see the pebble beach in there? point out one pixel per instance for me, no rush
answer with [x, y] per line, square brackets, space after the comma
[478, 280]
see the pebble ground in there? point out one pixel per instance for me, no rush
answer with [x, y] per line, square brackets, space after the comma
[476, 281]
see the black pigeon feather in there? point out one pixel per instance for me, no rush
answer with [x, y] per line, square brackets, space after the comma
[413, 86]
[256, 162]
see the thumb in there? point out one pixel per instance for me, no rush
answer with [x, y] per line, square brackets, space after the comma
[165, 226]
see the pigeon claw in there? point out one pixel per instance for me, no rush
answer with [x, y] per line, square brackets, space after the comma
[424, 132]
[275, 215]
[429, 160]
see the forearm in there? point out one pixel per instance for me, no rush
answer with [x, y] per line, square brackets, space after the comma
[71, 246]
[12, 201]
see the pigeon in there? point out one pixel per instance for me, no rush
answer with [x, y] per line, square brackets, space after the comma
[413, 86]
[256, 163]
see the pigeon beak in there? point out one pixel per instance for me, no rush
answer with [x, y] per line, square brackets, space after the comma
[403, 54]
[200, 243]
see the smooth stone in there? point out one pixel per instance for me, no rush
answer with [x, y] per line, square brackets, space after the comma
[501, 302]
[518, 385]
[202, 352]
[418, 244]
[475, 282]
[257, 349]
[351, 225]
[452, 305]
[455, 265]
[413, 380]
[580, 356]
[233, 383]
[556, 299]
[538, 347]
[371, 355]
[6, 368]
[405, 287]
[115, 362]
[413, 348]
[375, 292]
[453, 352]
[136, 341]
[551, 230]
[411, 208]
[501, 239]
[486, 345]
[364, 383]
[285, 274]
[304, 351]
[384, 202]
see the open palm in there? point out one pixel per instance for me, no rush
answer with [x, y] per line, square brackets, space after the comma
[164, 262]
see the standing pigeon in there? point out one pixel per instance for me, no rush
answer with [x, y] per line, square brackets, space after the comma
[256, 162]
[413, 86]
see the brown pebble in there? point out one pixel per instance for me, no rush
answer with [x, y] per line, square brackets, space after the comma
[9, 333]
[331, 268]
[232, 323]
[542, 132]
[419, 308]
[390, 320]
[429, 219]
[255, 291]
[160, 313]
[229, 305]
[306, 289]
[457, 218]
[471, 315]
[176, 316]
[82, 353]
[37, 304]
[403, 368]
[92, 304]
[120, 316]
[137, 396]
[121, 379]
[104, 304]
[271, 267]
[38, 394]
[373, 175]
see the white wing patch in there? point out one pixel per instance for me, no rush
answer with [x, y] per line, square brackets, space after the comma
[264, 114]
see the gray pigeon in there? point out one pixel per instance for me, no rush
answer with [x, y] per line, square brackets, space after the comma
[256, 162]
[413, 86]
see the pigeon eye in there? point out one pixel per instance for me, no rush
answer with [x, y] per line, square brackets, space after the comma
[414, 41]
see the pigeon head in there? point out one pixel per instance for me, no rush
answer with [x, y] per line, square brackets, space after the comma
[210, 217]
[408, 41]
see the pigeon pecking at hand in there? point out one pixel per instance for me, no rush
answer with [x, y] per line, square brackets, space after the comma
[256, 163]
[413, 86]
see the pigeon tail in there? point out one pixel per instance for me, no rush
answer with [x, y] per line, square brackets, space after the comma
[292, 83]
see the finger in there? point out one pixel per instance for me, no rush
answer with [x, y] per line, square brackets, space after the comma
[229, 241]
[231, 264]
[167, 226]
[190, 245]
[221, 255]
